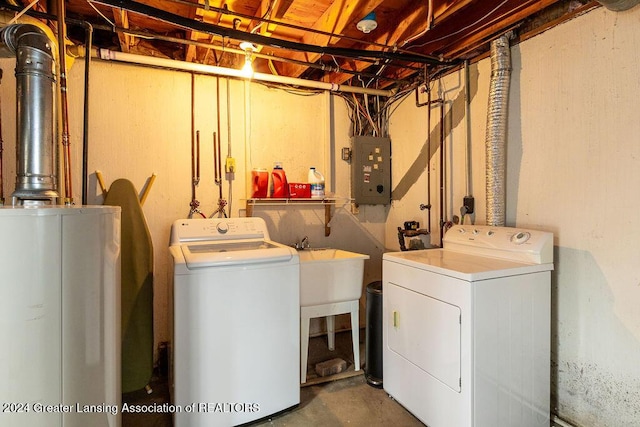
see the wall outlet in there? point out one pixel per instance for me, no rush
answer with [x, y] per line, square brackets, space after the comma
[468, 202]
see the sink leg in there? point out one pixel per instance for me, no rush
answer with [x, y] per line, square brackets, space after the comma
[331, 336]
[304, 347]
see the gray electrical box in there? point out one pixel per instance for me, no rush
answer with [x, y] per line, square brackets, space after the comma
[371, 170]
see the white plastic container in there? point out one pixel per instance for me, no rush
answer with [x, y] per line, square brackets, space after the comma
[316, 180]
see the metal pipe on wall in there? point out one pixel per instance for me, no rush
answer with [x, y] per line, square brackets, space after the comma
[429, 103]
[85, 123]
[442, 175]
[108, 55]
[496, 136]
[64, 110]
[36, 180]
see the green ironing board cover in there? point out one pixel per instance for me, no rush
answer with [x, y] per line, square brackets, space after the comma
[137, 287]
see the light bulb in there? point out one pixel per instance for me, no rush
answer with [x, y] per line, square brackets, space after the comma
[247, 68]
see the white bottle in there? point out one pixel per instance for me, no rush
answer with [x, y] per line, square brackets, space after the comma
[316, 181]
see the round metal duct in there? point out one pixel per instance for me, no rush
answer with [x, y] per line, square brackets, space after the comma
[619, 5]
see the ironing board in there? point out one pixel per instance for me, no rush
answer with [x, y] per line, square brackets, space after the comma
[137, 287]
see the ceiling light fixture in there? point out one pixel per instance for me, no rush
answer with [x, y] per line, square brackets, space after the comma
[249, 48]
[368, 23]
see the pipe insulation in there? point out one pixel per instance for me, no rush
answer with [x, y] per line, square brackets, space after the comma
[619, 5]
[496, 134]
[35, 86]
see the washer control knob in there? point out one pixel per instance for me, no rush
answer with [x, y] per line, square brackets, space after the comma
[475, 231]
[222, 227]
[520, 237]
[461, 230]
[490, 233]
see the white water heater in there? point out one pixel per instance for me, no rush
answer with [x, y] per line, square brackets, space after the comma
[60, 316]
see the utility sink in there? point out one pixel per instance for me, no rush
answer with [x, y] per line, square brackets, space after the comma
[330, 276]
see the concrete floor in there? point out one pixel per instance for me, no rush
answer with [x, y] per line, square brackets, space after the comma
[338, 400]
[348, 401]
[342, 399]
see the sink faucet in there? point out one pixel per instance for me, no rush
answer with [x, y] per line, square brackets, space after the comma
[303, 244]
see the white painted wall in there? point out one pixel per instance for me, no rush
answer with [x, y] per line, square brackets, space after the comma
[573, 168]
[140, 124]
[575, 174]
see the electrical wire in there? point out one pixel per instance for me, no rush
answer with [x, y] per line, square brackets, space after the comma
[100, 13]
[462, 29]
[22, 12]
[266, 15]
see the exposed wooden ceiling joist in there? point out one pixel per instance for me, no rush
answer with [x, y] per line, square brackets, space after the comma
[288, 31]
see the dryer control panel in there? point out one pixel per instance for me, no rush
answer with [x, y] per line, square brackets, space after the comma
[511, 243]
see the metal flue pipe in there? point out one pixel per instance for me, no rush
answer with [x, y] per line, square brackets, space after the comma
[619, 5]
[36, 179]
[496, 136]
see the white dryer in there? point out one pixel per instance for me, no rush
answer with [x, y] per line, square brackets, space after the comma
[235, 351]
[466, 328]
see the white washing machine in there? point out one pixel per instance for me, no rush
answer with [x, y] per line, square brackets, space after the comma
[236, 322]
[466, 328]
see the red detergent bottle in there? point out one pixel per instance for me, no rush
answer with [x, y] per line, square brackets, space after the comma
[279, 186]
[260, 180]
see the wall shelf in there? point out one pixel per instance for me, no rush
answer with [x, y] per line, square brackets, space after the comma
[328, 203]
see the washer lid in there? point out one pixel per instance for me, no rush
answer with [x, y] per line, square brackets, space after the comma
[214, 254]
[463, 266]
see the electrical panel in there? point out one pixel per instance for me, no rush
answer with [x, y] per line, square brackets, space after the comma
[371, 170]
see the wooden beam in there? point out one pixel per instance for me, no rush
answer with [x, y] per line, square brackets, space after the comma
[281, 8]
[121, 19]
[405, 26]
[335, 20]
[482, 35]
[491, 27]
[192, 52]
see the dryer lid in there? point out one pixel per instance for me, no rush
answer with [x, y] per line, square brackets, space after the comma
[463, 266]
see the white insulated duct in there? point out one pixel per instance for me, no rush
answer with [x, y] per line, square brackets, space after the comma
[619, 5]
[496, 136]
[36, 179]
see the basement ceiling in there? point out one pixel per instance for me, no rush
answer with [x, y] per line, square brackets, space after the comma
[311, 39]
